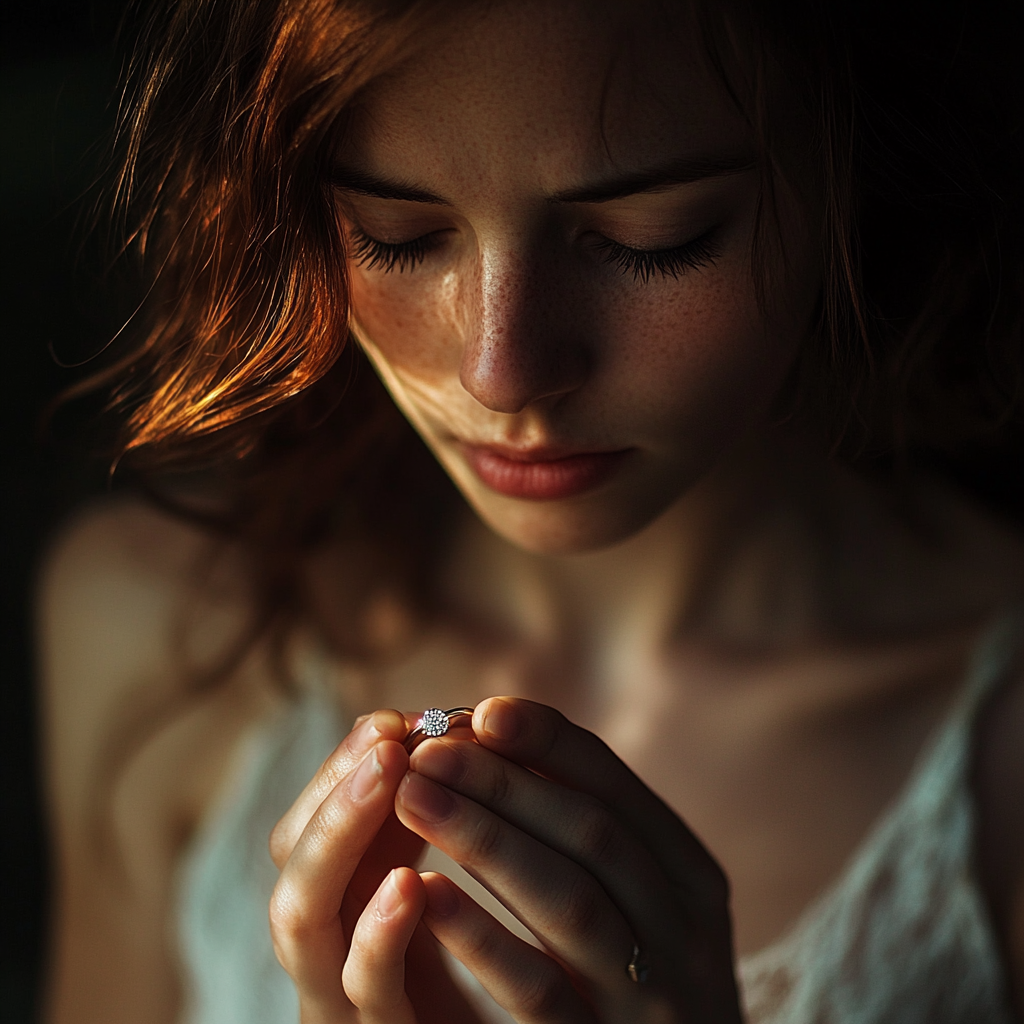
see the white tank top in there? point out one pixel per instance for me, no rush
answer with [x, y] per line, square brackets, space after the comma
[901, 937]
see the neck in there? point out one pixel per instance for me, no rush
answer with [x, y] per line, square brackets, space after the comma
[658, 584]
[775, 548]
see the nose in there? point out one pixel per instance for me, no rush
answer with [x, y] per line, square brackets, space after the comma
[522, 345]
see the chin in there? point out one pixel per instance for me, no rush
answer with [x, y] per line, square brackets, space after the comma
[576, 527]
[610, 514]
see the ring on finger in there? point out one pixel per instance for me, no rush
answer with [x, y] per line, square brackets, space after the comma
[638, 967]
[433, 723]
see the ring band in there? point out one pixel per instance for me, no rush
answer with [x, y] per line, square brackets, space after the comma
[433, 723]
[638, 968]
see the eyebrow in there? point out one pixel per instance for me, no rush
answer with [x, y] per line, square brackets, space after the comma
[382, 188]
[658, 179]
[653, 180]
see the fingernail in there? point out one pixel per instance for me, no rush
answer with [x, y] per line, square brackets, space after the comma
[502, 721]
[366, 778]
[389, 899]
[442, 899]
[426, 799]
[364, 737]
[440, 761]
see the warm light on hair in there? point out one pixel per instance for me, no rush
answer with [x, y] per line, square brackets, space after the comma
[225, 194]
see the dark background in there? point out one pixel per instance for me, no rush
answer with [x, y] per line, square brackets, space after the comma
[58, 70]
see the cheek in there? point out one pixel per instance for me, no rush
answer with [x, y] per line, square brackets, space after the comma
[697, 357]
[412, 321]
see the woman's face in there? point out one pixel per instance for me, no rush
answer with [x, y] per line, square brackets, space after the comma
[550, 217]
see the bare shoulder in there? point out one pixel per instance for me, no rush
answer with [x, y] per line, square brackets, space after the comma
[121, 549]
[111, 578]
[999, 791]
[131, 605]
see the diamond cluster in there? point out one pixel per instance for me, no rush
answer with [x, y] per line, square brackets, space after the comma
[434, 722]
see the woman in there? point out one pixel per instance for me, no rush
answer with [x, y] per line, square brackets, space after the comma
[680, 298]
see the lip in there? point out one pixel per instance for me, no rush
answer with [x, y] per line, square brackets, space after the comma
[540, 474]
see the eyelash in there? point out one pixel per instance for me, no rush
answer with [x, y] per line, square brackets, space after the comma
[645, 263]
[642, 263]
[371, 254]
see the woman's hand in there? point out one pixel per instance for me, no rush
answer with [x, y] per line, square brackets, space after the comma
[346, 909]
[587, 857]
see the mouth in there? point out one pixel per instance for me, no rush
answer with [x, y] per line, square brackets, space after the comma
[541, 474]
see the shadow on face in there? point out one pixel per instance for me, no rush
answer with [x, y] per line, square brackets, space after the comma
[550, 217]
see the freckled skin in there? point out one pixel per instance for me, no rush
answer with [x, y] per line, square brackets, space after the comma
[516, 329]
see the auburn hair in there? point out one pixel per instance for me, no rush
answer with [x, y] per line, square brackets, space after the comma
[241, 354]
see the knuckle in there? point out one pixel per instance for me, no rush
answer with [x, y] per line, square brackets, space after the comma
[543, 993]
[482, 946]
[498, 787]
[598, 835]
[361, 978]
[280, 843]
[354, 984]
[581, 909]
[487, 840]
[290, 924]
[323, 830]
[338, 764]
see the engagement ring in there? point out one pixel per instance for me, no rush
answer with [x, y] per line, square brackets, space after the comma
[433, 723]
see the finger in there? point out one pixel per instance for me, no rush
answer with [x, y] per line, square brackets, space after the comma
[574, 824]
[560, 902]
[521, 979]
[543, 740]
[393, 846]
[430, 985]
[374, 974]
[368, 730]
[304, 908]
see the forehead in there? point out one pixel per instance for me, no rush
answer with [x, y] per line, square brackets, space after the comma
[556, 91]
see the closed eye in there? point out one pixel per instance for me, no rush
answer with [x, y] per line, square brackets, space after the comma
[373, 254]
[644, 264]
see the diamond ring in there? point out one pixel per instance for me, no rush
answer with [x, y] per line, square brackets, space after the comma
[433, 723]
